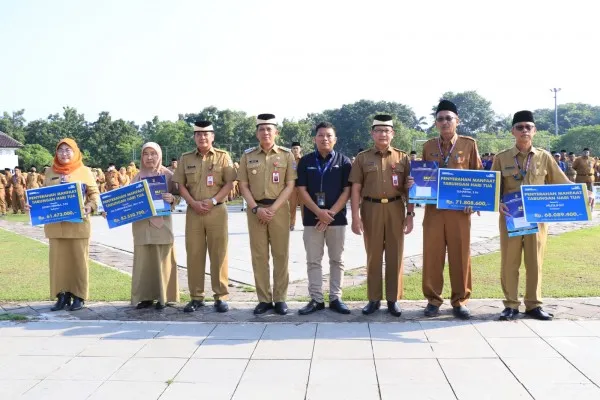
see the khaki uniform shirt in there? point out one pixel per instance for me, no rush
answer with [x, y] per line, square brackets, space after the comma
[112, 180]
[33, 180]
[570, 170]
[464, 155]
[194, 171]
[374, 170]
[542, 169]
[18, 183]
[584, 166]
[257, 168]
[3, 182]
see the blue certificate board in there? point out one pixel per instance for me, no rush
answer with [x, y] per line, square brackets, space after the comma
[556, 203]
[516, 224]
[158, 186]
[424, 190]
[58, 203]
[460, 188]
[128, 204]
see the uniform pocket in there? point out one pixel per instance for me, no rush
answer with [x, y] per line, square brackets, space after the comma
[190, 177]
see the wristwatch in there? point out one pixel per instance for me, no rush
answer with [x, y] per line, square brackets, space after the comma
[254, 210]
[214, 201]
[410, 214]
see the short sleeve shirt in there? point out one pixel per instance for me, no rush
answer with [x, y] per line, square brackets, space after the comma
[375, 171]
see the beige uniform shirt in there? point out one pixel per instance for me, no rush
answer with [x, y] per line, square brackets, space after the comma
[542, 169]
[204, 176]
[584, 166]
[33, 180]
[267, 172]
[460, 151]
[375, 171]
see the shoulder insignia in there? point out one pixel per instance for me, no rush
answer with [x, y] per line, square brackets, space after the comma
[466, 137]
[189, 152]
[364, 151]
[284, 149]
[400, 151]
[220, 150]
[502, 152]
[250, 150]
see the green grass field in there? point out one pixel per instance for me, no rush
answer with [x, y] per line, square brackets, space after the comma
[24, 273]
[16, 217]
[571, 269]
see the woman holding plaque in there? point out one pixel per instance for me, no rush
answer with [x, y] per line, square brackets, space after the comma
[154, 267]
[70, 241]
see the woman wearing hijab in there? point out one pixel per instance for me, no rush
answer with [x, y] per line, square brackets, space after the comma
[70, 242]
[154, 267]
[123, 177]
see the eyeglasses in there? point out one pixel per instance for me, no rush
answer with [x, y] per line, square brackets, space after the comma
[382, 131]
[523, 127]
[447, 118]
[64, 151]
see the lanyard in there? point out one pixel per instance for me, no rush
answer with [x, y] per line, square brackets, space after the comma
[325, 168]
[447, 158]
[521, 171]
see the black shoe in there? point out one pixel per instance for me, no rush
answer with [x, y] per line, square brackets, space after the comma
[371, 307]
[160, 306]
[508, 313]
[144, 304]
[431, 310]
[338, 306]
[193, 305]
[281, 308]
[461, 312]
[63, 300]
[394, 308]
[221, 306]
[262, 308]
[77, 304]
[540, 314]
[311, 307]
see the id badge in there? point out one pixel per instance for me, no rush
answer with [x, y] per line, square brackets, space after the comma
[210, 180]
[395, 180]
[276, 177]
[321, 199]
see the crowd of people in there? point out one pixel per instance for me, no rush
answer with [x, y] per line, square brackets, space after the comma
[273, 180]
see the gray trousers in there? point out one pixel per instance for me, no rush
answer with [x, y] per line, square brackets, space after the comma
[314, 243]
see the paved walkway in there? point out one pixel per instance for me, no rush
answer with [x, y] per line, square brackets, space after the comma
[409, 360]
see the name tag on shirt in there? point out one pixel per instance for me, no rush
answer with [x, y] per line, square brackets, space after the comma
[276, 177]
[210, 180]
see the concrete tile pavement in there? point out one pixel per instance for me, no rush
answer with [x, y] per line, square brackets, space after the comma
[486, 360]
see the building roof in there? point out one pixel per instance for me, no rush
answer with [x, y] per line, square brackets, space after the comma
[8, 142]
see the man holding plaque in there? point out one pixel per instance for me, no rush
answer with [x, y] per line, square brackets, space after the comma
[524, 165]
[448, 229]
[267, 176]
[379, 200]
[205, 177]
[585, 168]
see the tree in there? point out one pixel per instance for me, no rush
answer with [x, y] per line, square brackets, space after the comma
[570, 115]
[117, 141]
[576, 139]
[301, 131]
[14, 125]
[475, 112]
[34, 155]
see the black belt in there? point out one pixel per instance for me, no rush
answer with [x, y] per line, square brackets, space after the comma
[382, 201]
[266, 202]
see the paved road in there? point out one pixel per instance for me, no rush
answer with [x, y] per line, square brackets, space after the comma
[240, 265]
[410, 360]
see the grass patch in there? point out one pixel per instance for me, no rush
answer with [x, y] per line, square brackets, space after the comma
[570, 269]
[248, 289]
[10, 217]
[24, 273]
[12, 317]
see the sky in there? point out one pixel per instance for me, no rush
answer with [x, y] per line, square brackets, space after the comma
[141, 58]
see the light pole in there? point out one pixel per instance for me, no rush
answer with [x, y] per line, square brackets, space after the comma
[555, 90]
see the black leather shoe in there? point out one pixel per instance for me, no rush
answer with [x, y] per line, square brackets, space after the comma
[461, 312]
[338, 306]
[77, 304]
[63, 300]
[221, 306]
[262, 308]
[394, 308]
[431, 310]
[281, 308]
[540, 314]
[311, 307]
[508, 313]
[144, 304]
[160, 306]
[193, 305]
[371, 307]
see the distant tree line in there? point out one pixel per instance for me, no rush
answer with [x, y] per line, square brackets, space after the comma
[107, 140]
